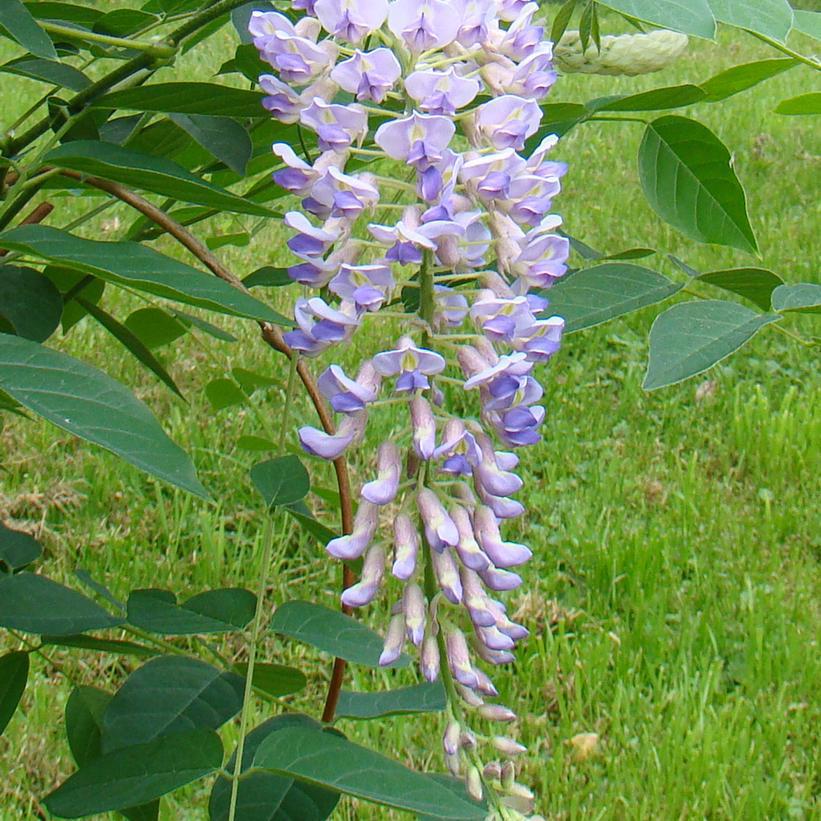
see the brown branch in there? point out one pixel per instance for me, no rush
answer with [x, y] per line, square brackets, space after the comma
[273, 337]
[35, 217]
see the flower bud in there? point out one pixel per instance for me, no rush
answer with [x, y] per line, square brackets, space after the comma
[447, 575]
[439, 527]
[394, 640]
[353, 546]
[454, 765]
[459, 659]
[507, 746]
[413, 604]
[474, 784]
[467, 547]
[519, 798]
[406, 546]
[365, 590]
[502, 554]
[382, 490]
[508, 774]
[429, 658]
[471, 698]
[450, 739]
[497, 712]
[424, 427]
[493, 771]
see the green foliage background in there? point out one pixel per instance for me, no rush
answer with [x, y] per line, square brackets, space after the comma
[674, 588]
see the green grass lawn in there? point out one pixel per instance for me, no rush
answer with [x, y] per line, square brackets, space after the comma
[673, 594]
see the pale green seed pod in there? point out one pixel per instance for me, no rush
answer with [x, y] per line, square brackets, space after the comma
[625, 54]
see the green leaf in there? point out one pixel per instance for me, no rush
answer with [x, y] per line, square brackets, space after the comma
[807, 22]
[688, 179]
[267, 797]
[246, 61]
[14, 671]
[275, 679]
[755, 284]
[309, 523]
[131, 343]
[255, 444]
[688, 16]
[168, 695]
[559, 118]
[124, 648]
[135, 775]
[421, 698]
[35, 604]
[17, 549]
[135, 265]
[804, 104]
[206, 327]
[250, 381]
[149, 173]
[214, 611]
[186, 98]
[84, 710]
[74, 283]
[740, 78]
[330, 631]
[561, 20]
[691, 337]
[595, 295]
[631, 253]
[324, 759]
[83, 16]
[224, 393]
[154, 327]
[772, 18]
[30, 302]
[223, 138]
[237, 239]
[654, 100]
[47, 71]
[281, 481]
[84, 577]
[90, 404]
[804, 297]
[124, 22]
[160, 139]
[268, 276]
[19, 23]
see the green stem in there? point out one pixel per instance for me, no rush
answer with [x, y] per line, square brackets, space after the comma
[267, 549]
[784, 49]
[123, 72]
[289, 392]
[154, 49]
[604, 118]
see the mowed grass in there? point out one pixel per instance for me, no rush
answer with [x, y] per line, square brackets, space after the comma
[672, 597]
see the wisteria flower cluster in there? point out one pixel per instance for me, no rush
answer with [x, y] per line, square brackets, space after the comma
[442, 98]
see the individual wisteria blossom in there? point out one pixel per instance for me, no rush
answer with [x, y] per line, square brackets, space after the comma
[423, 209]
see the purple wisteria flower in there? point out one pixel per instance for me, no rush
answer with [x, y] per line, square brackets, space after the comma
[337, 127]
[351, 20]
[508, 121]
[419, 140]
[441, 92]
[369, 75]
[412, 365]
[444, 208]
[424, 24]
